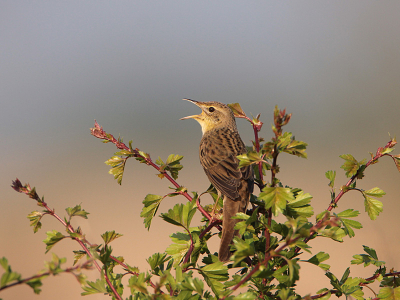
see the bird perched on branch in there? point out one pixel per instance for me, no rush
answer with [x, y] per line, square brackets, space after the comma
[220, 145]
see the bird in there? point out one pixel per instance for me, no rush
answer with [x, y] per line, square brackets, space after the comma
[219, 147]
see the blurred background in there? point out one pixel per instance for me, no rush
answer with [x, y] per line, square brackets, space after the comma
[334, 65]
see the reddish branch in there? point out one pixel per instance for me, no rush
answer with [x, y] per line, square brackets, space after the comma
[31, 192]
[97, 131]
[370, 280]
[85, 265]
[272, 253]
[379, 153]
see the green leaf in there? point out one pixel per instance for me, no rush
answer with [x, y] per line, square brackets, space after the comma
[249, 158]
[180, 247]
[318, 259]
[334, 281]
[371, 252]
[300, 206]
[324, 290]
[246, 296]
[358, 294]
[396, 159]
[351, 165]
[373, 207]
[53, 237]
[375, 192]
[331, 175]
[4, 263]
[243, 250]
[389, 293]
[237, 110]
[54, 265]
[34, 218]
[9, 275]
[99, 286]
[348, 213]
[138, 284]
[276, 198]
[282, 274]
[117, 164]
[287, 143]
[347, 223]
[77, 211]
[345, 275]
[151, 204]
[213, 274]
[351, 286]
[109, 236]
[180, 215]
[189, 285]
[78, 254]
[370, 258]
[157, 259]
[335, 233]
[172, 165]
[142, 157]
[35, 284]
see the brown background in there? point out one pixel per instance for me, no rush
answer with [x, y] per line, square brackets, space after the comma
[334, 65]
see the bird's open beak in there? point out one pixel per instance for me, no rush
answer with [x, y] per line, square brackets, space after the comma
[196, 117]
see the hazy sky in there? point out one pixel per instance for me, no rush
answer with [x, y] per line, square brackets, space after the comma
[335, 65]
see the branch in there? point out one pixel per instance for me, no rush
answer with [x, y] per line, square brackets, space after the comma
[31, 192]
[85, 265]
[379, 153]
[273, 253]
[97, 131]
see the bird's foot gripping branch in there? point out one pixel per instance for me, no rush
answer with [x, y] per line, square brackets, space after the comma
[266, 253]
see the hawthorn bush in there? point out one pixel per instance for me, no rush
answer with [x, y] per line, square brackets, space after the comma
[266, 260]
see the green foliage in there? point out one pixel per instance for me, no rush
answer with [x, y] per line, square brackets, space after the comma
[8, 276]
[99, 286]
[352, 166]
[151, 204]
[171, 165]
[53, 237]
[110, 236]
[349, 224]
[317, 260]
[367, 259]
[276, 198]
[34, 218]
[117, 163]
[389, 293]
[76, 211]
[266, 253]
[180, 215]
[287, 143]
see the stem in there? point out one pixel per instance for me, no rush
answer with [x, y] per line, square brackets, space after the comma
[361, 284]
[257, 142]
[31, 192]
[111, 286]
[98, 132]
[130, 272]
[187, 256]
[343, 191]
[48, 273]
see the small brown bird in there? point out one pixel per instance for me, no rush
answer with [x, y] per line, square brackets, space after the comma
[220, 145]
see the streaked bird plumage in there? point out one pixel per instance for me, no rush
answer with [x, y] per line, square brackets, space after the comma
[219, 148]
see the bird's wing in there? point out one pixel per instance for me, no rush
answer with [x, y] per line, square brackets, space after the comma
[218, 157]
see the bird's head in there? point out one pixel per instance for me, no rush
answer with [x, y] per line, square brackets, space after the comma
[214, 115]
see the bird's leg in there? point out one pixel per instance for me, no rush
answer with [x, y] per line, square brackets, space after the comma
[216, 204]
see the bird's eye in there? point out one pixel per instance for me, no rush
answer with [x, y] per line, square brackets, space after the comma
[211, 109]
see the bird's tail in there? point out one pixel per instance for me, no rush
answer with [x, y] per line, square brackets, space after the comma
[228, 224]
